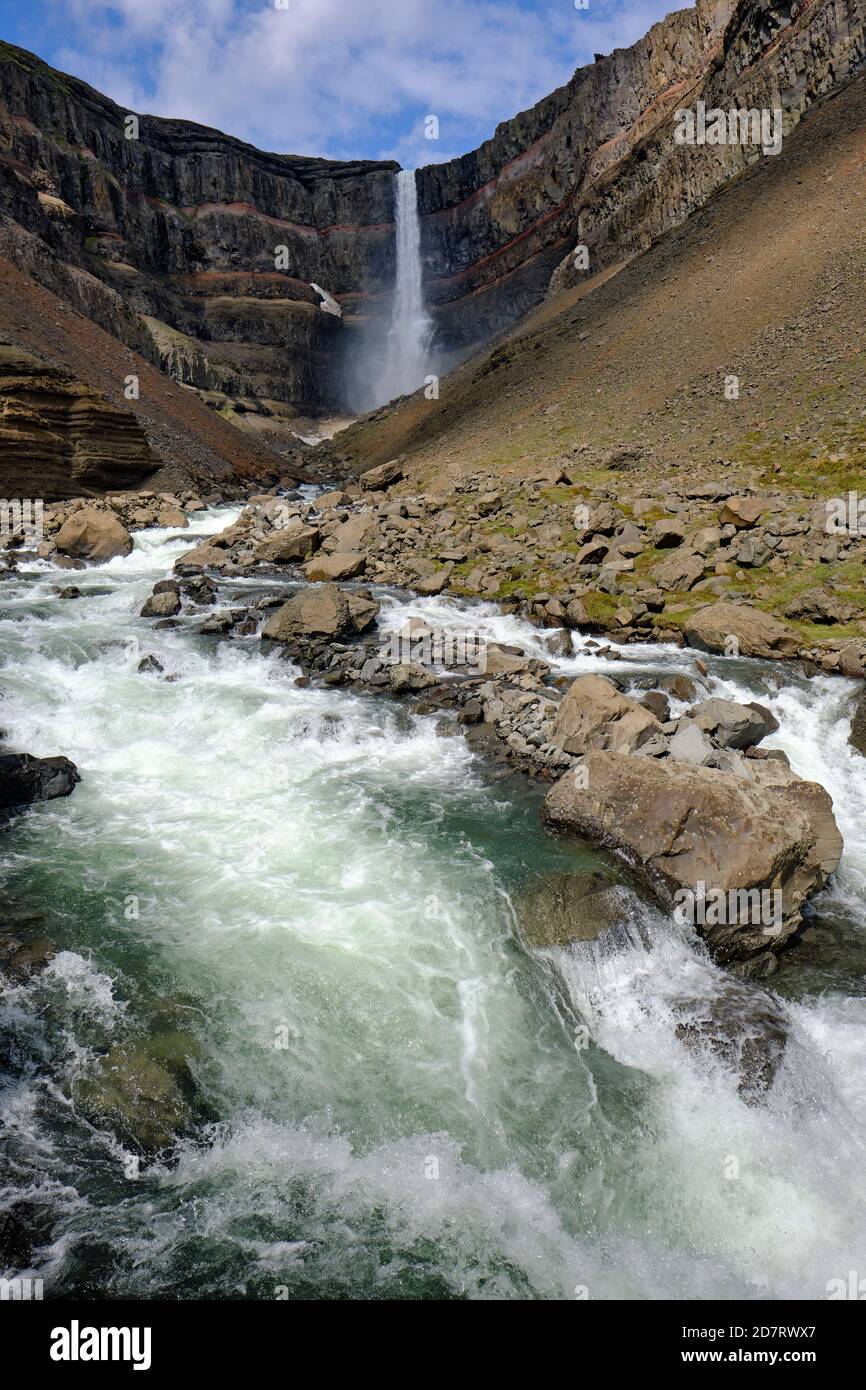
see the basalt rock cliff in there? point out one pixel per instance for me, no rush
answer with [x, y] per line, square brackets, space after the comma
[198, 251]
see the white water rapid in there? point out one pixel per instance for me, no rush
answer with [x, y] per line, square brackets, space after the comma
[395, 1103]
[406, 361]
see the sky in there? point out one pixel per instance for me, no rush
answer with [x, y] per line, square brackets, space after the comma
[345, 79]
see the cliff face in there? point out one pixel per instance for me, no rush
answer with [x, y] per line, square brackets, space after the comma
[596, 163]
[169, 241]
[185, 225]
[83, 443]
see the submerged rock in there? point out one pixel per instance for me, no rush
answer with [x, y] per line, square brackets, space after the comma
[557, 909]
[745, 1028]
[857, 737]
[143, 1091]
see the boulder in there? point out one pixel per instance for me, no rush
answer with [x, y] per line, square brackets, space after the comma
[756, 633]
[288, 547]
[385, 475]
[163, 605]
[731, 725]
[741, 512]
[25, 779]
[315, 612]
[208, 556]
[593, 714]
[434, 583]
[690, 744]
[341, 566]
[94, 535]
[363, 611]
[668, 533]
[682, 571]
[683, 826]
[352, 535]
[820, 606]
[409, 676]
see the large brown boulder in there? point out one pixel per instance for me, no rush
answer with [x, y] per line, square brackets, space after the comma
[322, 611]
[290, 546]
[685, 826]
[340, 566]
[593, 714]
[94, 535]
[756, 633]
[385, 475]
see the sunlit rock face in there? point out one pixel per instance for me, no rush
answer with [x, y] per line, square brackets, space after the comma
[596, 163]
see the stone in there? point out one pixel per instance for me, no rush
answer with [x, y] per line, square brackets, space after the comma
[820, 606]
[682, 571]
[289, 546]
[93, 535]
[409, 676]
[385, 475]
[164, 605]
[25, 779]
[340, 566]
[682, 826]
[434, 583]
[756, 633]
[857, 736]
[557, 909]
[731, 725]
[741, 512]
[690, 744]
[593, 714]
[314, 612]
[668, 533]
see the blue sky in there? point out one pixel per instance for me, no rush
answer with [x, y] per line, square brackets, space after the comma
[342, 78]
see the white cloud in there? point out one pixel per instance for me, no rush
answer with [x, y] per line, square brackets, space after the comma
[345, 78]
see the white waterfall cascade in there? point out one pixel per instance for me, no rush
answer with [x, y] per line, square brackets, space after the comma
[407, 346]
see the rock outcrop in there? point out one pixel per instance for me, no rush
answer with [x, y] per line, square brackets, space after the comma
[53, 425]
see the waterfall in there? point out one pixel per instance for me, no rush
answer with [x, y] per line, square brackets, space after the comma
[406, 359]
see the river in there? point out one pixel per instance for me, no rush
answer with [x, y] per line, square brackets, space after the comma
[396, 1100]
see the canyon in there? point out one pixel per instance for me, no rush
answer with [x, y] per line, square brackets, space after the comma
[199, 253]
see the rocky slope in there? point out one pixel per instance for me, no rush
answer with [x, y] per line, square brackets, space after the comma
[596, 163]
[613, 395]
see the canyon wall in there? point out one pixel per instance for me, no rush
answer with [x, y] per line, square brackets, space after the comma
[596, 162]
[169, 240]
[183, 226]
